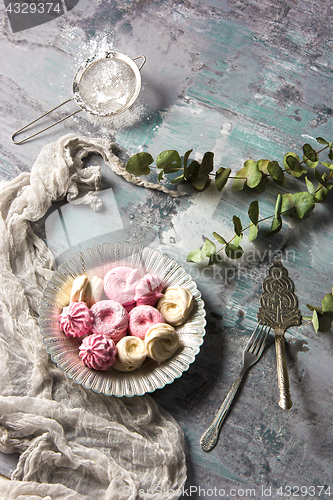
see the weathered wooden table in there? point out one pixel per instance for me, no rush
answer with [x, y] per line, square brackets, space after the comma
[243, 79]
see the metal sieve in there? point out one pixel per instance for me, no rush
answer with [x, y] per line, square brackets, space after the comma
[103, 86]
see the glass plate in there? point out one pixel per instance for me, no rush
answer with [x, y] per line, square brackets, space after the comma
[97, 261]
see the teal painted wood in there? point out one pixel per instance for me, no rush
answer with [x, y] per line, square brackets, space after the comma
[244, 80]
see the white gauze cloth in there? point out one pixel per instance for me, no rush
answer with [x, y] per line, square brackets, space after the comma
[73, 443]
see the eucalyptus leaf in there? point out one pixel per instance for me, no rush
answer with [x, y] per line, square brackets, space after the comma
[160, 175]
[304, 203]
[208, 249]
[278, 205]
[221, 177]
[207, 165]
[309, 163]
[262, 165]
[197, 182]
[169, 161]
[237, 225]
[253, 173]
[237, 239]
[138, 164]
[310, 153]
[319, 178]
[314, 308]
[310, 186]
[194, 165]
[298, 170]
[320, 194]
[178, 179]
[287, 203]
[276, 225]
[322, 141]
[276, 172]
[194, 256]
[233, 252]
[239, 181]
[254, 212]
[262, 184]
[185, 161]
[253, 232]
[327, 303]
[315, 321]
[219, 238]
[325, 322]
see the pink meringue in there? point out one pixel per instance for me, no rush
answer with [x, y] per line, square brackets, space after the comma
[76, 319]
[148, 290]
[141, 318]
[98, 351]
[110, 319]
[120, 284]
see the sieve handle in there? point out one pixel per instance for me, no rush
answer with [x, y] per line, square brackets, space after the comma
[39, 118]
[140, 57]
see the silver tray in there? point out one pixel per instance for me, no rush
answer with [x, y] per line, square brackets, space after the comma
[97, 261]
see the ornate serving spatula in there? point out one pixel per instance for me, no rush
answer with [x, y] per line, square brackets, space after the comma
[279, 309]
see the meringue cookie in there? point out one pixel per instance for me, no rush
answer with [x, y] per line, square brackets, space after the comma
[88, 290]
[176, 305]
[148, 290]
[120, 283]
[141, 318]
[161, 341]
[131, 354]
[76, 319]
[110, 319]
[98, 352]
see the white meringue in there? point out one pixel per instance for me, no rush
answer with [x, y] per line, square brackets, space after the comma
[176, 305]
[85, 289]
[161, 341]
[131, 354]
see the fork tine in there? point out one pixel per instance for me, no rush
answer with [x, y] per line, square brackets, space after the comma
[261, 340]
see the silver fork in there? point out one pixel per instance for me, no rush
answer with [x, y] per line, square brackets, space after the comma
[252, 352]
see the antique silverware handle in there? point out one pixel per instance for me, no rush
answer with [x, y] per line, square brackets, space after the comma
[210, 436]
[282, 373]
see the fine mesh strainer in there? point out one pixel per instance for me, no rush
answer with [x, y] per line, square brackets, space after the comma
[103, 86]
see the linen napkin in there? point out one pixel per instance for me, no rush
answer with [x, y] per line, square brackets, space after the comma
[73, 443]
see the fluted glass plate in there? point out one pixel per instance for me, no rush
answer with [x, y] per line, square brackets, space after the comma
[97, 261]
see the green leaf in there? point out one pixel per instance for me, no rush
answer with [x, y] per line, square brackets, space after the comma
[237, 239]
[310, 186]
[304, 203]
[254, 212]
[276, 225]
[262, 165]
[233, 252]
[278, 205]
[321, 193]
[237, 225]
[298, 170]
[327, 303]
[315, 321]
[322, 141]
[169, 161]
[310, 153]
[276, 172]
[320, 178]
[262, 184]
[221, 177]
[287, 203]
[325, 322]
[194, 165]
[208, 249]
[207, 165]
[309, 163]
[194, 256]
[219, 238]
[138, 164]
[253, 173]
[198, 183]
[249, 174]
[253, 232]
[314, 308]
[178, 179]
[160, 175]
[185, 161]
